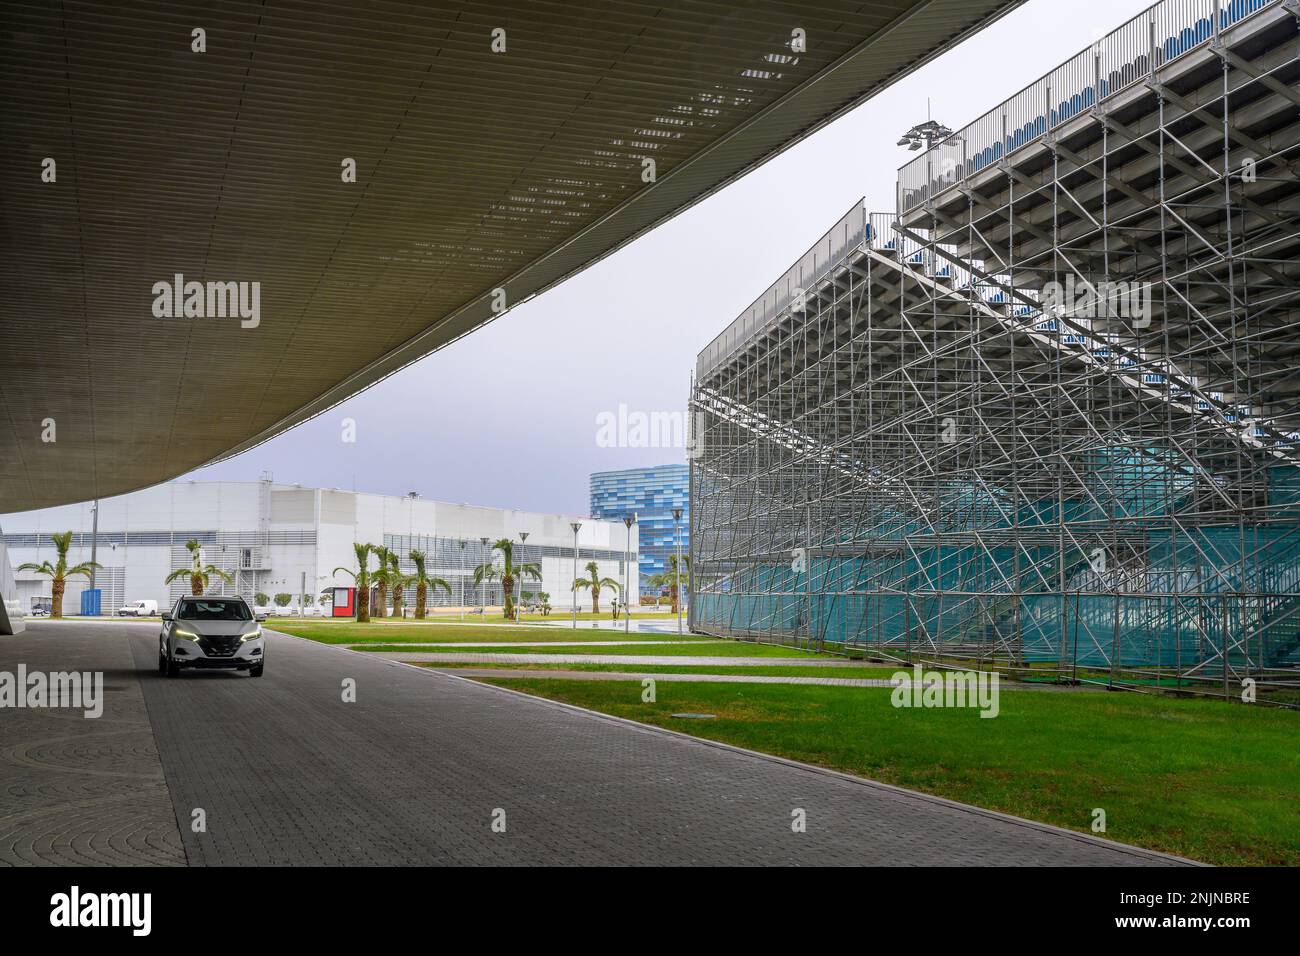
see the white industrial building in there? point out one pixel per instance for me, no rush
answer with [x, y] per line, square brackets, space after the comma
[277, 538]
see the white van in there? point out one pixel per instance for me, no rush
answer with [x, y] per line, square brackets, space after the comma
[138, 609]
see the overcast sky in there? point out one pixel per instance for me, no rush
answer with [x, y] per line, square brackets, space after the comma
[508, 416]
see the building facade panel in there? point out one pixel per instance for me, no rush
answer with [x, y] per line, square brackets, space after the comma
[274, 538]
[651, 494]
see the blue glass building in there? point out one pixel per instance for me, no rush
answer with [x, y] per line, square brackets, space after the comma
[652, 493]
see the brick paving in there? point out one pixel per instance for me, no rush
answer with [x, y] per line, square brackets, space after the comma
[416, 770]
[79, 791]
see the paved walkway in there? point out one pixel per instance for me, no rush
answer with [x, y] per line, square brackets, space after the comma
[660, 676]
[418, 767]
[79, 791]
[639, 660]
[362, 644]
[550, 674]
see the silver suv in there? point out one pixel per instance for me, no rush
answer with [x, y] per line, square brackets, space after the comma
[211, 632]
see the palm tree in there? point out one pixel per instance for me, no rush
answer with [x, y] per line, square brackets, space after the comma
[397, 582]
[673, 579]
[545, 598]
[597, 584]
[507, 573]
[361, 577]
[59, 571]
[381, 580]
[198, 572]
[423, 582]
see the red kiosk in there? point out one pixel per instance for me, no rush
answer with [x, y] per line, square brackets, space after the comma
[345, 602]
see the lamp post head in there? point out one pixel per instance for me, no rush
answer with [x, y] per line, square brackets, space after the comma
[677, 514]
[925, 135]
[630, 520]
[484, 541]
[523, 536]
[575, 525]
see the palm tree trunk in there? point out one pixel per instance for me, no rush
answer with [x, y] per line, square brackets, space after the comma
[595, 599]
[421, 600]
[381, 600]
[196, 585]
[508, 590]
[397, 601]
[363, 605]
[57, 587]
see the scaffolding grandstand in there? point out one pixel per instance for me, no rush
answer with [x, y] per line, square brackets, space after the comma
[1044, 416]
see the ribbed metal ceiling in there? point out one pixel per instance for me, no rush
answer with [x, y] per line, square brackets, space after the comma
[476, 170]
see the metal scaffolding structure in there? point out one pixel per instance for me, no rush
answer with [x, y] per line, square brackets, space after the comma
[1045, 416]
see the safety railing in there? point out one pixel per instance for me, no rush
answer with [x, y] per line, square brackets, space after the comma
[1154, 38]
[852, 230]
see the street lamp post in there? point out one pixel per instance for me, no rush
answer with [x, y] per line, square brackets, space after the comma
[483, 581]
[575, 526]
[519, 578]
[462, 580]
[677, 571]
[94, 541]
[627, 574]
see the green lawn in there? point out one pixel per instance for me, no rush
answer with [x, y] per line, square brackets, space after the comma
[398, 632]
[602, 616]
[494, 616]
[1212, 781]
[661, 649]
[776, 670]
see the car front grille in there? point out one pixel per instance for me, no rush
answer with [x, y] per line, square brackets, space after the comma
[219, 646]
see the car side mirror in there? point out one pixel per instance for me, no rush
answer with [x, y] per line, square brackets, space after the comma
[260, 617]
[166, 616]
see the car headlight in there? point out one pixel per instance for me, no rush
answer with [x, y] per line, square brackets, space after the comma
[185, 635]
[251, 635]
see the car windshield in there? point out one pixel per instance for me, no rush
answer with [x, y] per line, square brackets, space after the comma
[214, 611]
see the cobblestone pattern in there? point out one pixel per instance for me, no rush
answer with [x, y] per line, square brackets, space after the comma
[79, 791]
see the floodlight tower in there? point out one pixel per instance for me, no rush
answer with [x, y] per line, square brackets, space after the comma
[924, 135]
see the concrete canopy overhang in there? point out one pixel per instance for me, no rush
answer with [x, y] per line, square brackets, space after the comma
[476, 171]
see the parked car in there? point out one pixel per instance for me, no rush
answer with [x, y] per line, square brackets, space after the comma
[138, 609]
[211, 632]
